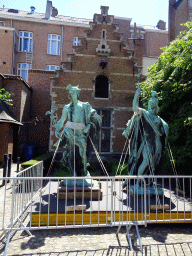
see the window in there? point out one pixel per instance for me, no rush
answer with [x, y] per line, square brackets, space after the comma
[22, 70]
[53, 45]
[75, 41]
[52, 67]
[25, 41]
[101, 87]
[132, 36]
[104, 140]
[141, 37]
[104, 34]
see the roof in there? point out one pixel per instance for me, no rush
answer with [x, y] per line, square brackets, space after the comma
[61, 19]
[15, 77]
[40, 17]
[150, 28]
[6, 116]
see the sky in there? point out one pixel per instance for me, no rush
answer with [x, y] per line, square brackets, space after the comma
[147, 12]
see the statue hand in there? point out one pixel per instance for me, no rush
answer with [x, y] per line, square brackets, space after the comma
[87, 128]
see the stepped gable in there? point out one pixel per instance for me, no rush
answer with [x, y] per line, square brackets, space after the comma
[97, 37]
[105, 66]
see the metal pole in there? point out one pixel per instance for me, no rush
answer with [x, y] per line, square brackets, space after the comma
[18, 162]
[5, 168]
[9, 165]
[74, 154]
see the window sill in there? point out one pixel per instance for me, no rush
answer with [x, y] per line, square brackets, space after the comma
[53, 54]
[101, 98]
[25, 52]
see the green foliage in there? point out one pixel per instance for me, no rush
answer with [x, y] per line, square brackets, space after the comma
[62, 172]
[45, 158]
[171, 77]
[113, 165]
[5, 96]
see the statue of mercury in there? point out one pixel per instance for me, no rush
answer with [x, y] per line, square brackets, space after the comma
[82, 122]
[147, 133]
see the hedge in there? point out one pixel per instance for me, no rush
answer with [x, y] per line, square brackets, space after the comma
[46, 158]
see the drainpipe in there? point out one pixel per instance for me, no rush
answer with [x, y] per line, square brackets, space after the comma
[61, 43]
[13, 59]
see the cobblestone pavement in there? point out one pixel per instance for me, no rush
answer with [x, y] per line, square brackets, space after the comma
[164, 239]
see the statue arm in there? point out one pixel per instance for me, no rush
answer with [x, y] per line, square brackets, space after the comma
[60, 123]
[135, 105]
[92, 118]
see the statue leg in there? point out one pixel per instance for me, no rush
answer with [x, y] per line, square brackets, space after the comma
[144, 164]
[71, 157]
[82, 152]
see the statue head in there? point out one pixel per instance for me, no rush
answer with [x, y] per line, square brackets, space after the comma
[73, 90]
[153, 103]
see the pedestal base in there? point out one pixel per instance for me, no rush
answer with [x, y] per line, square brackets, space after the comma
[150, 191]
[91, 191]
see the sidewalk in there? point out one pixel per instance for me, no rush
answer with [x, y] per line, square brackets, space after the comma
[161, 240]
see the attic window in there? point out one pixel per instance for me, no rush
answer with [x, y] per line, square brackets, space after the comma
[103, 34]
[103, 46]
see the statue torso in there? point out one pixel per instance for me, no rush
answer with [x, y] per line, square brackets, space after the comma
[76, 112]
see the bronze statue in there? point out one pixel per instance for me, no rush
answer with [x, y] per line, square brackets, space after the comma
[82, 122]
[147, 133]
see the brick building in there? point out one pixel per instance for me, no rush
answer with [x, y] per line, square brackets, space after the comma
[42, 43]
[15, 120]
[180, 11]
[105, 67]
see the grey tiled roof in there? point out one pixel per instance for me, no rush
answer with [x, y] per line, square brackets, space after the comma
[41, 17]
[6, 116]
[148, 27]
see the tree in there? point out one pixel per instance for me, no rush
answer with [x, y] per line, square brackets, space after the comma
[5, 96]
[171, 77]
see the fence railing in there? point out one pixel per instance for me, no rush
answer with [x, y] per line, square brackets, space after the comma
[76, 202]
[24, 190]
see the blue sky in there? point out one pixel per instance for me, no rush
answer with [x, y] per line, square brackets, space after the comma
[147, 12]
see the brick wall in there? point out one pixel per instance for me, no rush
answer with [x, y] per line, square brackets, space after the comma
[154, 41]
[6, 141]
[21, 109]
[181, 17]
[6, 50]
[38, 133]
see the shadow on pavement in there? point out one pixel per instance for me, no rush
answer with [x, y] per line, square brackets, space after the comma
[148, 250]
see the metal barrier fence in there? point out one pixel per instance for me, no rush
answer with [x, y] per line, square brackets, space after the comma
[93, 202]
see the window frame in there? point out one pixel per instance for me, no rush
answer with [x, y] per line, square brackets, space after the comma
[22, 37]
[50, 41]
[104, 128]
[48, 67]
[20, 68]
[75, 41]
